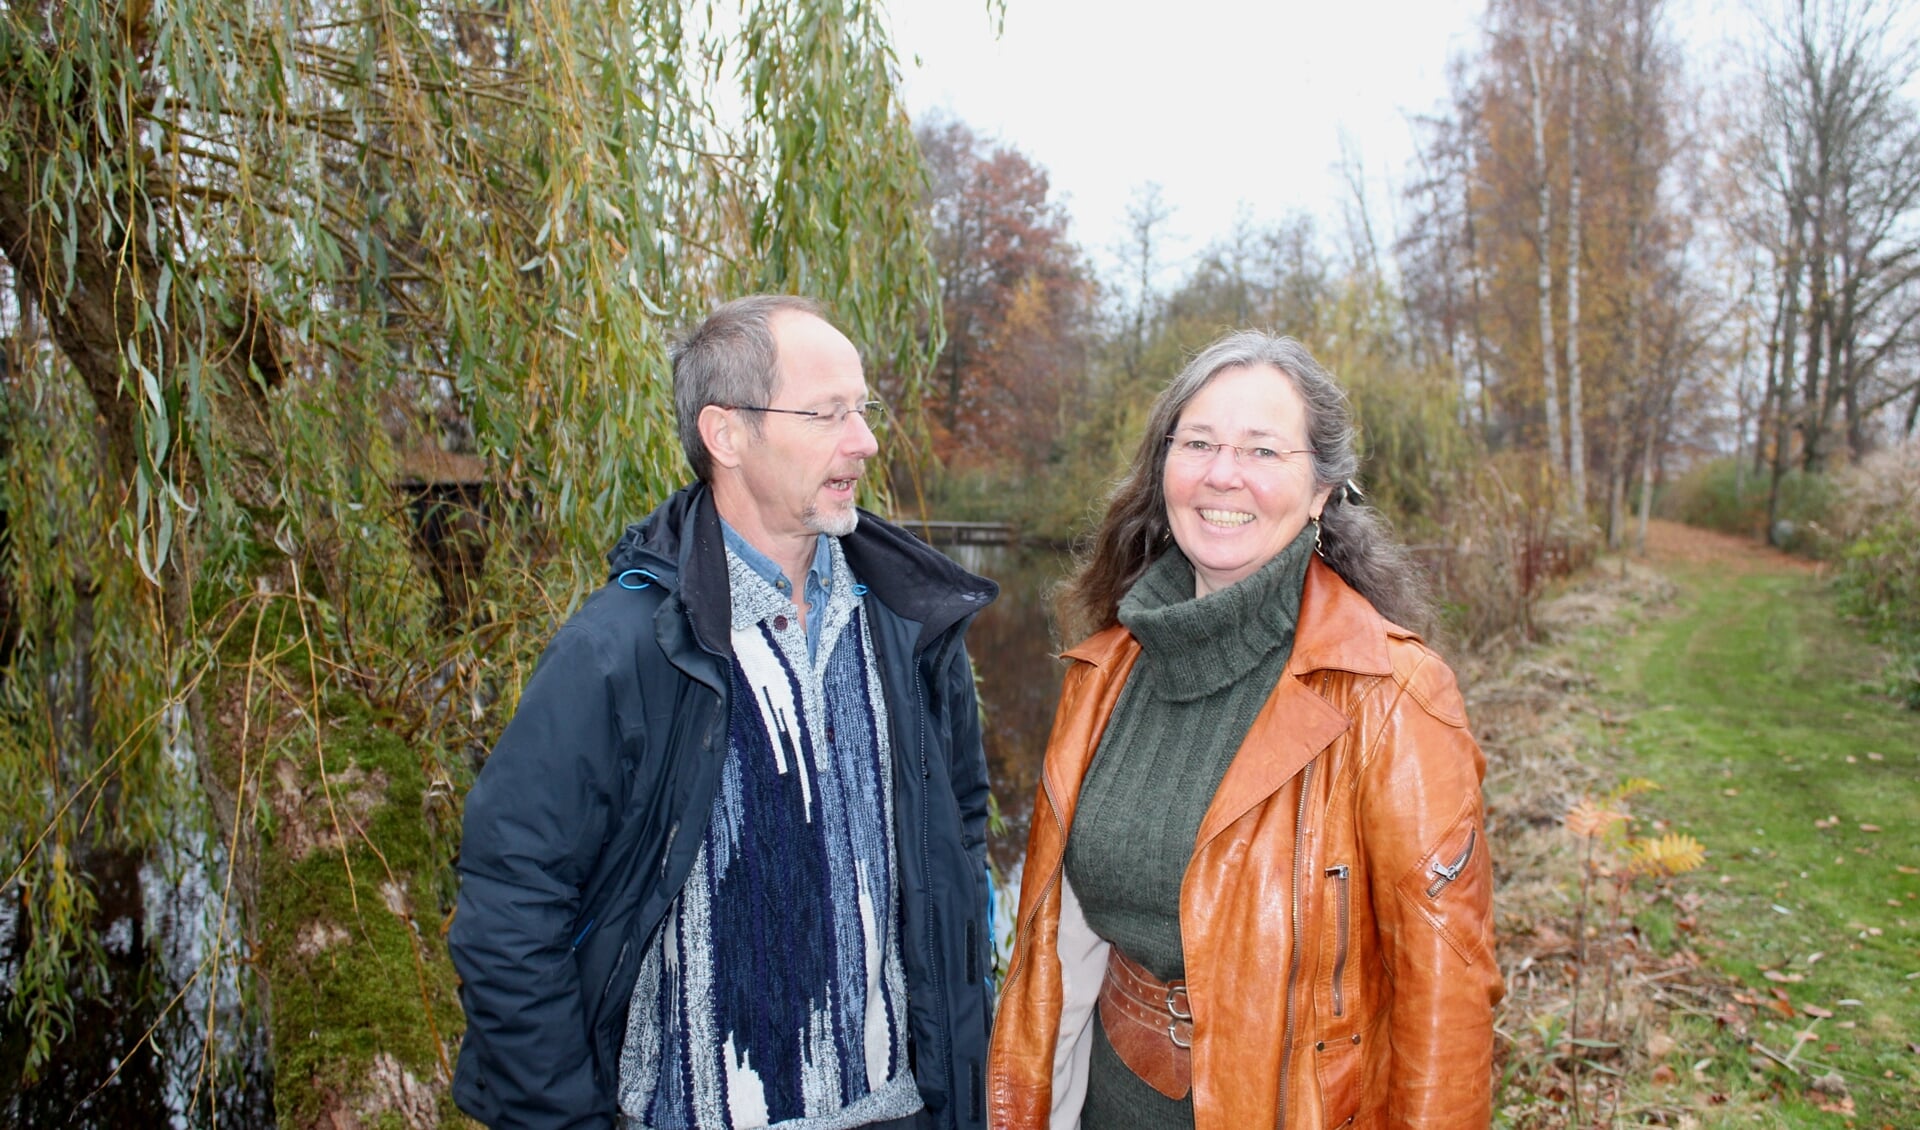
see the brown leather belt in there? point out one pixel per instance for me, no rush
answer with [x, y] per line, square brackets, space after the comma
[1149, 1024]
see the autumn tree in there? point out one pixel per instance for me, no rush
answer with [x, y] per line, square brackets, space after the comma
[1014, 295]
[1550, 191]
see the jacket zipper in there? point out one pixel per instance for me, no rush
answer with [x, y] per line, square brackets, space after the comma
[1445, 873]
[1340, 873]
[613, 977]
[1293, 959]
[666, 854]
[926, 869]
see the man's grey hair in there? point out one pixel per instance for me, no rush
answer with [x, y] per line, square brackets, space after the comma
[730, 359]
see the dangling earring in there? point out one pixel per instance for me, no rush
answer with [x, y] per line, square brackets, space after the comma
[1316, 535]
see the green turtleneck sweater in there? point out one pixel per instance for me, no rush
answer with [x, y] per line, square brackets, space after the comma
[1207, 665]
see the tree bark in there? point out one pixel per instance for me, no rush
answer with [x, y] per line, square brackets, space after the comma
[1576, 432]
[1543, 226]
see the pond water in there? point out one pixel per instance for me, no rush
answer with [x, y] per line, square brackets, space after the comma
[1013, 652]
[136, 1053]
[1014, 655]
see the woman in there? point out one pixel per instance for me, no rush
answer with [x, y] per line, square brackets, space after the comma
[1257, 890]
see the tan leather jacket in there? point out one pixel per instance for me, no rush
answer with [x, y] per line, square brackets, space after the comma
[1337, 913]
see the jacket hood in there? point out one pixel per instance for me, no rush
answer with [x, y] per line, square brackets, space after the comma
[655, 542]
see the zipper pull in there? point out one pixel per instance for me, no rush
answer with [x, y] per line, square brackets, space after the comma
[1445, 873]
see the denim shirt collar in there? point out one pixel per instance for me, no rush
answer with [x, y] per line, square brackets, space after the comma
[819, 579]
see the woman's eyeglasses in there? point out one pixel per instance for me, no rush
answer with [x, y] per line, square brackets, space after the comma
[1198, 452]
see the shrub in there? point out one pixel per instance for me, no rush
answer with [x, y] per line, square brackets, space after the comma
[1506, 539]
[1876, 520]
[1721, 495]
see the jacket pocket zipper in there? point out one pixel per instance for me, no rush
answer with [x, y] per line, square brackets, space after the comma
[1340, 873]
[1445, 873]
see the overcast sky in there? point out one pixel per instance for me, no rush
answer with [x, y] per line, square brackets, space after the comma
[1224, 104]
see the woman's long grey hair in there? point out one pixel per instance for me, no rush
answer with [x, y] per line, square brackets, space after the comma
[1134, 532]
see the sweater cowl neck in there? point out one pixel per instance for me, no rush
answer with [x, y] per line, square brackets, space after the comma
[1192, 646]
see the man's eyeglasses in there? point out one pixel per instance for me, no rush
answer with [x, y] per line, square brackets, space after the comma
[1198, 452]
[832, 416]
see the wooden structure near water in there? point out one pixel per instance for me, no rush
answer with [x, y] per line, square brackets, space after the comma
[939, 531]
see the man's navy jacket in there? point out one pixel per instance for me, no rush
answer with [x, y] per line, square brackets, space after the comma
[585, 820]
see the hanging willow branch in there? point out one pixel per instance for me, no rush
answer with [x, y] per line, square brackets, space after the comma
[262, 264]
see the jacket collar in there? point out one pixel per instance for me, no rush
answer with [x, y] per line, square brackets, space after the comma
[681, 547]
[1338, 631]
[914, 580]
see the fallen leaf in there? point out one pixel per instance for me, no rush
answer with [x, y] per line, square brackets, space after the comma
[1871, 756]
[1816, 1011]
[1852, 760]
[1869, 827]
[1814, 958]
[1664, 1076]
[1658, 1045]
[1783, 978]
[1729, 792]
[1905, 870]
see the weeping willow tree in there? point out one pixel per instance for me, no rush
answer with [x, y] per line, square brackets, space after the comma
[300, 299]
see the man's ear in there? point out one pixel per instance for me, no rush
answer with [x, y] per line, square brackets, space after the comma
[724, 433]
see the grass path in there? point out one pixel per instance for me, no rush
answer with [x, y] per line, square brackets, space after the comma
[1749, 704]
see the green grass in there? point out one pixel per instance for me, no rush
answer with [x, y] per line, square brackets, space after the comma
[1752, 707]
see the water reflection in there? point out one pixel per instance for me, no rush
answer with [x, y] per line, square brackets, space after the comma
[164, 1036]
[1014, 653]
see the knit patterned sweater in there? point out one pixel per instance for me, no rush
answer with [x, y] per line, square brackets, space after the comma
[773, 993]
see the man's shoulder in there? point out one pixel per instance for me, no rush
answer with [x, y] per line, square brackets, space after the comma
[611, 621]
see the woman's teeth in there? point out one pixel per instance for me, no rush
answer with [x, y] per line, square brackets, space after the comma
[1226, 517]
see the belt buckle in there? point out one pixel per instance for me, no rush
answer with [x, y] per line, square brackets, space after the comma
[1178, 988]
[1173, 1034]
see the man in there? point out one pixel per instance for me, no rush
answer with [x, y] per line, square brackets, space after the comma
[726, 866]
